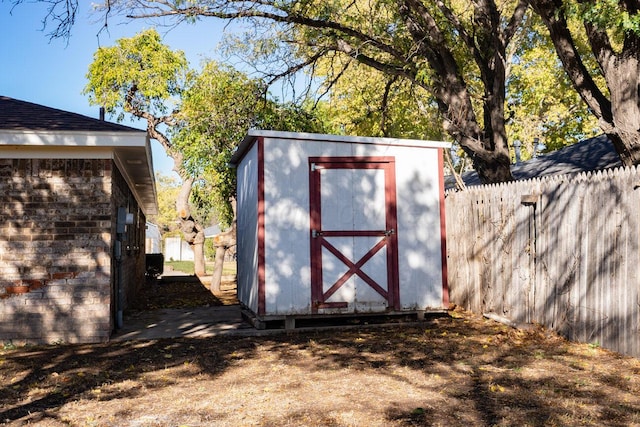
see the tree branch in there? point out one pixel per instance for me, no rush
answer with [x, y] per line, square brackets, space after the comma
[225, 10]
[514, 22]
[552, 15]
[332, 82]
[601, 47]
[61, 11]
[297, 67]
[385, 105]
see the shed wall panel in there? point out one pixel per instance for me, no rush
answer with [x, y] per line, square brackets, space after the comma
[247, 175]
[419, 244]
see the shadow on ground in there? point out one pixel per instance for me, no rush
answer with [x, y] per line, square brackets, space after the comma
[182, 306]
[456, 371]
[183, 291]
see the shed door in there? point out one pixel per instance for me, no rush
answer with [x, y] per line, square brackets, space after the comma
[354, 256]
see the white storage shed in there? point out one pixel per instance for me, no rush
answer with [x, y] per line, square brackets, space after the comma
[339, 225]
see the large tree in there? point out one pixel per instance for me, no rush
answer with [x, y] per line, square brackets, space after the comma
[216, 111]
[612, 28]
[460, 51]
[143, 77]
[455, 50]
[199, 117]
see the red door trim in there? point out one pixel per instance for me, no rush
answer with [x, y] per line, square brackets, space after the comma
[356, 233]
[351, 161]
[318, 297]
[392, 224]
[315, 244]
[443, 233]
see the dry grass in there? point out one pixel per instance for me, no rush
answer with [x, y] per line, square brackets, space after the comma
[461, 370]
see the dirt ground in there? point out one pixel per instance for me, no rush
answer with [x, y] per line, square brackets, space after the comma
[459, 370]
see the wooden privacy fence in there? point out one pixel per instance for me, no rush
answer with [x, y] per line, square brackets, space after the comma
[560, 251]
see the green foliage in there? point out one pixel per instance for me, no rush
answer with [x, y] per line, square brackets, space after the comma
[167, 188]
[366, 102]
[218, 109]
[541, 102]
[609, 15]
[209, 249]
[139, 72]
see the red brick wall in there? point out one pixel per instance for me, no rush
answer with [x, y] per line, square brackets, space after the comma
[57, 224]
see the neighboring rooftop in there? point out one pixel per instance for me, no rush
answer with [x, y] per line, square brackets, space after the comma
[590, 154]
[22, 115]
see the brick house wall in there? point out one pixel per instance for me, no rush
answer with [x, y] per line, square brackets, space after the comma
[57, 231]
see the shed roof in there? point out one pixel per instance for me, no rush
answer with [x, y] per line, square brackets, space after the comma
[253, 134]
[29, 130]
[590, 154]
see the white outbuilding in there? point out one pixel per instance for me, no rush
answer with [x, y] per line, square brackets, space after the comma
[337, 225]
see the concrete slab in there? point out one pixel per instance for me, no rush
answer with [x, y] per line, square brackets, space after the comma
[192, 322]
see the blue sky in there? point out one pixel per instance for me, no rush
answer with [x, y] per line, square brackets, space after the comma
[52, 73]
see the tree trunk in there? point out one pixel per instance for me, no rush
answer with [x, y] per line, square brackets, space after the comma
[216, 279]
[198, 255]
[623, 80]
[492, 167]
[619, 115]
[222, 242]
[192, 231]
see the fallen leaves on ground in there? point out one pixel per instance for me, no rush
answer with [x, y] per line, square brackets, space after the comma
[462, 371]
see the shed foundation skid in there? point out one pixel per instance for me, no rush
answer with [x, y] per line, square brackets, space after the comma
[329, 321]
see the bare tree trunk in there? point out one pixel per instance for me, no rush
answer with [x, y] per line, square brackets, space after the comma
[192, 231]
[217, 269]
[198, 255]
[222, 242]
[623, 80]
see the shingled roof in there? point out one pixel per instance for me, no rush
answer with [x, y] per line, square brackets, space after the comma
[590, 154]
[21, 115]
[30, 130]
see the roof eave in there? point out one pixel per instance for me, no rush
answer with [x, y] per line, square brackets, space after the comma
[130, 150]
